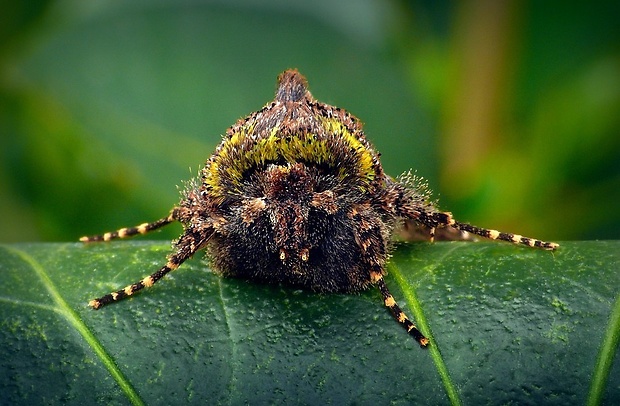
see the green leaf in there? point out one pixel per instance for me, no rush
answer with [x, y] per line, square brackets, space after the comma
[507, 324]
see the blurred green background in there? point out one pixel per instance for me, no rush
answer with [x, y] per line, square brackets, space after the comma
[511, 110]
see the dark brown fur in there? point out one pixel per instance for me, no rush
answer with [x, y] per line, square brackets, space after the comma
[319, 213]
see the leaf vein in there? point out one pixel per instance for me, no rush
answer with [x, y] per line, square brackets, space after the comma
[76, 322]
[606, 354]
[420, 318]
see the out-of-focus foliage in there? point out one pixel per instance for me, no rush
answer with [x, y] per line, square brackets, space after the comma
[510, 109]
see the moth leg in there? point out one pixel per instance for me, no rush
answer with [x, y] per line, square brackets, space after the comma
[409, 199]
[437, 218]
[186, 246]
[396, 311]
[370, 236]
[131, 231]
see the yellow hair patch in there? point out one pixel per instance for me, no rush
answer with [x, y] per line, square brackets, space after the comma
[245, 150]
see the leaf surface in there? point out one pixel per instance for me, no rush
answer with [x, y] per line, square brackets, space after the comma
[507, 324]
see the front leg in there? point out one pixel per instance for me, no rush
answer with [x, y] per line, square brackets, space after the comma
[396, 311]
[186, 246]
[371, 236]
